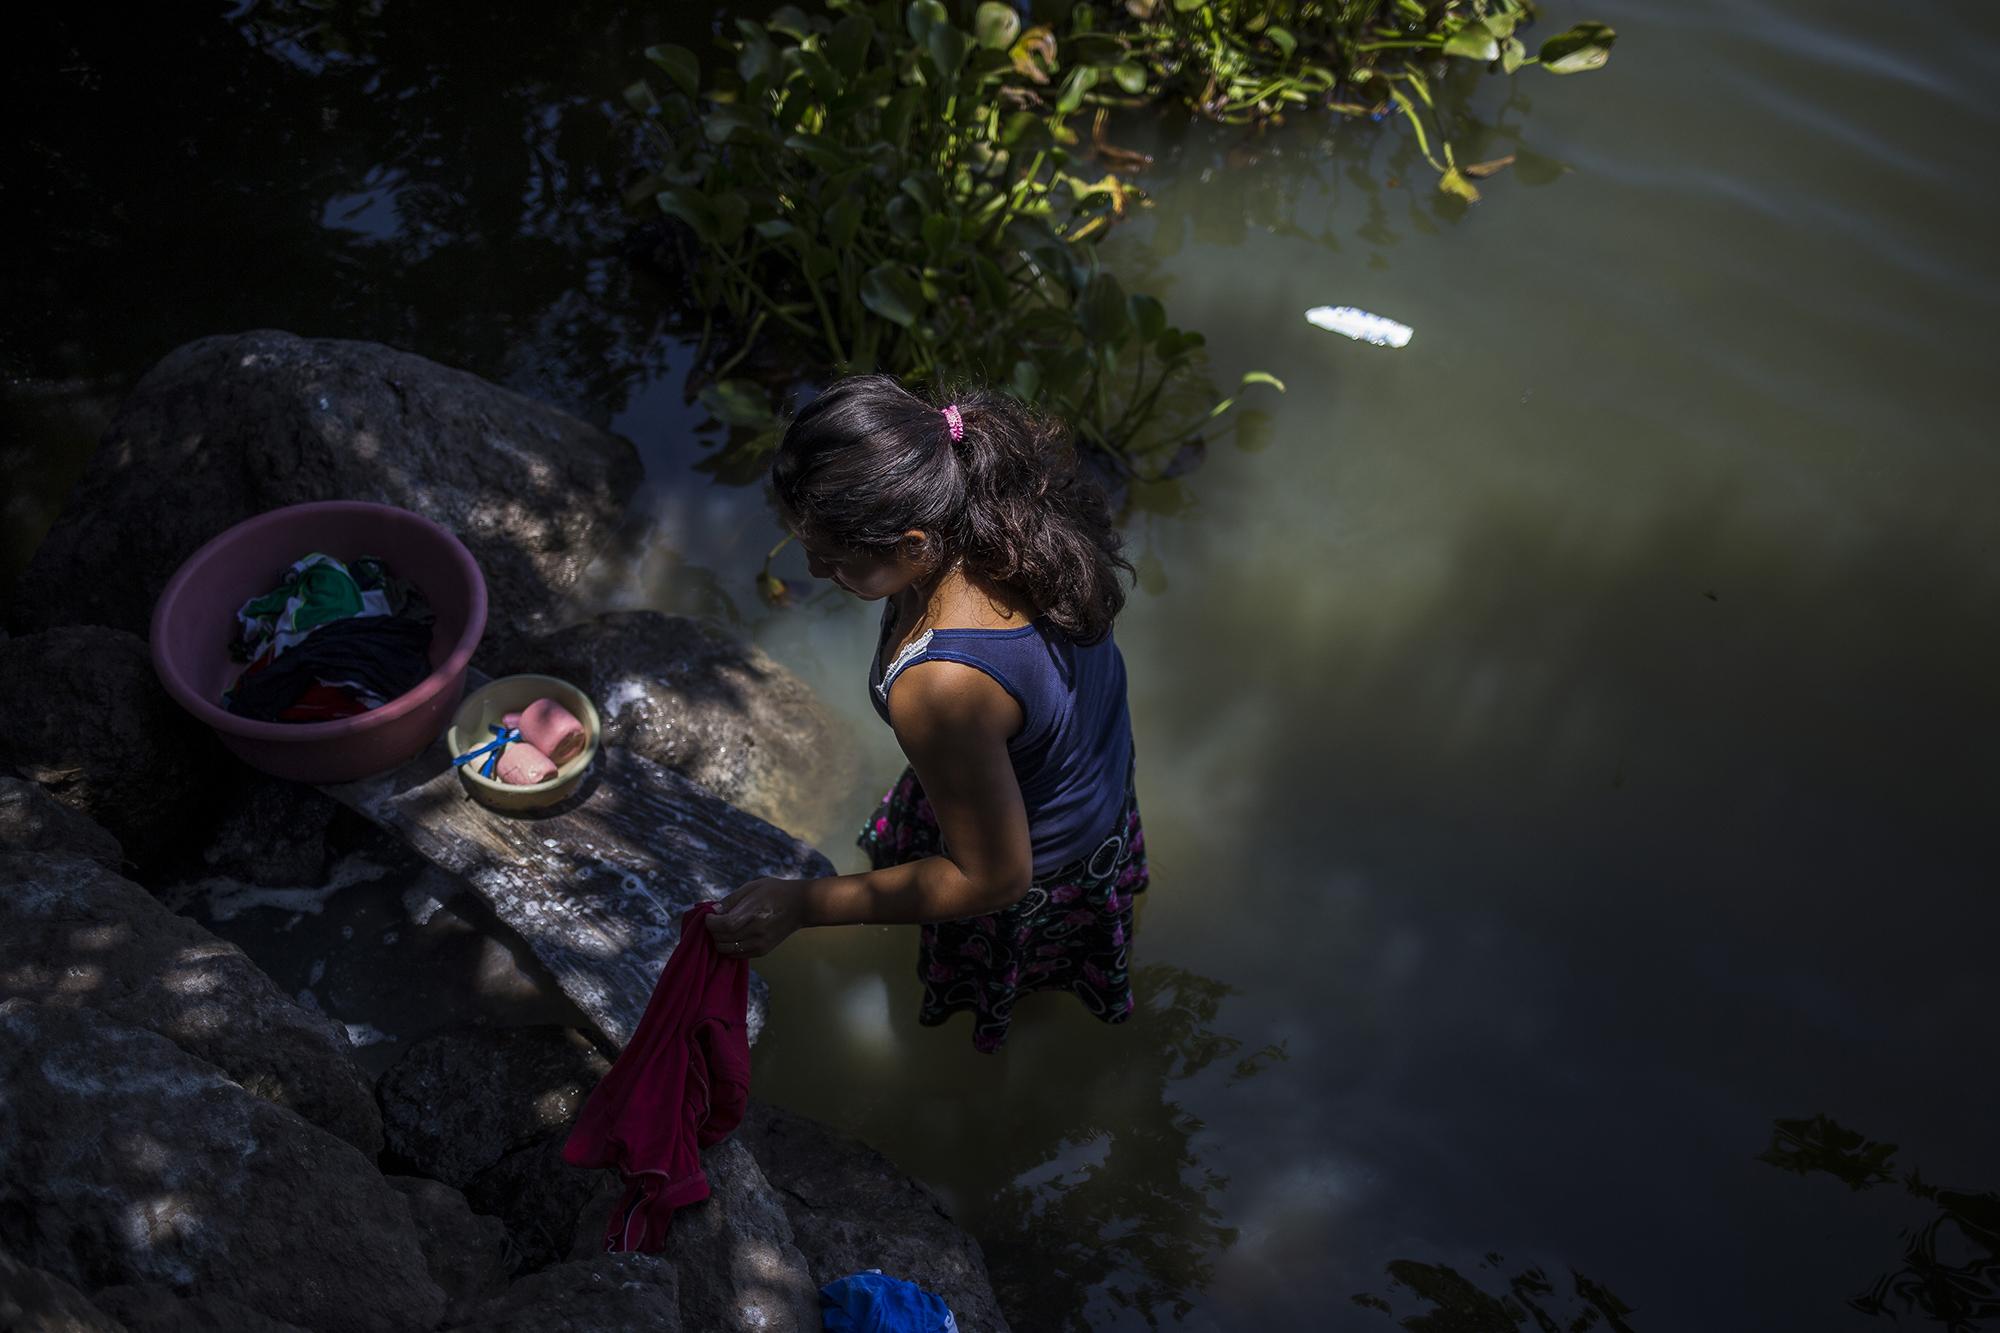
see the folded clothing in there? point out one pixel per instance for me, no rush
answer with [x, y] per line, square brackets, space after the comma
[522, 765]
[869, 1302]
[552, 729]
[331, 640]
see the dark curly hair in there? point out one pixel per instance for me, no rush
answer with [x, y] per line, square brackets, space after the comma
[868, 460]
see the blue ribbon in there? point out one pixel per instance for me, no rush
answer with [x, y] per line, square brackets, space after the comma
[502, 738]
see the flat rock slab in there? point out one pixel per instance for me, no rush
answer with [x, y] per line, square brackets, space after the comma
[598, 885]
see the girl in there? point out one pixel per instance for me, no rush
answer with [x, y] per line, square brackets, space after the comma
[1013, 836]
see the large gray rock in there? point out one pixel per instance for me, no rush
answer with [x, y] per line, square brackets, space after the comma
[459, 1102]
[72, 933]
[851, 1208]
[149, 1307]
[739, 1269]
[32, 1301]
[466, 1253]
[694, 698]
[271, 832]
[125, 1160]
[609, 1293]
[227, 427]
[538, 1196]
[31, 820]
[88, 721]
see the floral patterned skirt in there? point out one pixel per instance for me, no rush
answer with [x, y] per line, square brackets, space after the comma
[1072, 931]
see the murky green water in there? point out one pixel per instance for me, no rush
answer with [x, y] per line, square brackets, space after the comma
[1566, 743]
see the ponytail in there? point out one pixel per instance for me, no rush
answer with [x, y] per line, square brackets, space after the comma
[868, 460]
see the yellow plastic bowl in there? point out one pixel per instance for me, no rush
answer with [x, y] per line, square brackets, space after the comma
[484, 708]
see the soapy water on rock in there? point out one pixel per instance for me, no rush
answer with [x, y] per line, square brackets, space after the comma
[1360, 325]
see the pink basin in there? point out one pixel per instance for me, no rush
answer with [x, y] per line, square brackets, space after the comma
[196, 616]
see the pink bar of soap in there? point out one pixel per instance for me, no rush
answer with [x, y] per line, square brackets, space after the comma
[553, 730]
[522, 765]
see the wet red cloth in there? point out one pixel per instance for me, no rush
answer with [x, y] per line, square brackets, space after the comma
[680, 1085]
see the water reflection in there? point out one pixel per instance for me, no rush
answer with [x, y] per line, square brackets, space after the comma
[1951, 1263]
[1120, 1214]
[1460, 1305]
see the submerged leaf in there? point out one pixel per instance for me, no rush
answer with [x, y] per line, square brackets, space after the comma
[1484, 169]
[1454, 182]
[737, 403]
[1585, 47]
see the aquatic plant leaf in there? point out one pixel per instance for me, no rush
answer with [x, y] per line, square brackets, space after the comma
[826, 80]
[1034, 55]
[680, 65]
[690, 207]
[1282, 39]
[1131, 76]
[847, 45]
[639, 96]
[890, 291]
[1103, 313]
[1251, 377]
[819, 150]
[737, 403]
[939, 233]
[1474, 41]
[1487, 168]
[906, 217]
[734, 124]
[1080, 81]
[758, 59]
[732, 212]
[996, 25]
[791, 21]
[1586, 46]
[947, 49]
[922, 16]
[775, 592]
[842, 221]
[1149, 317]
[1454, 182]
[1095, 48]
[1188, 6]
[992, 282]
[896, 115]
[1024, 130]
[1512, 54]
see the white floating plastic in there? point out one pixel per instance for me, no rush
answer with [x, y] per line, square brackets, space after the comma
[1359, 325]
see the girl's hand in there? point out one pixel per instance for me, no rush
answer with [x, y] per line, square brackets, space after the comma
[757, 918]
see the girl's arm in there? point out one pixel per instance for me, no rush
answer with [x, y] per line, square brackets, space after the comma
[953, 722]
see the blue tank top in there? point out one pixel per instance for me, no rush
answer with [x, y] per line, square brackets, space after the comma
[1073, 753]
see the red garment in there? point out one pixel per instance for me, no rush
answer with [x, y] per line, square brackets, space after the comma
[680, 1085]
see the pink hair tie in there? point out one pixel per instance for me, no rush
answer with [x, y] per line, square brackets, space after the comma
[954, 423]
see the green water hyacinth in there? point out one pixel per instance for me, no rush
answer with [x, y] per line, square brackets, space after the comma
[1245, 61]
[876, 187]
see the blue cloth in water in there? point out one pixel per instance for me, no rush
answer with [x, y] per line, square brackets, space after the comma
[868, 1302]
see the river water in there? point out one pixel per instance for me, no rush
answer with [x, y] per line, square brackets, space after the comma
[1566, 742]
